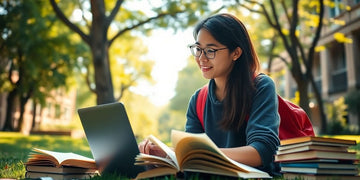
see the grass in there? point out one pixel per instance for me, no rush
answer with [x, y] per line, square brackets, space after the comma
[15, 147]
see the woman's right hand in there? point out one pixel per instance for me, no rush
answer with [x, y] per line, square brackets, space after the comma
[147, 147]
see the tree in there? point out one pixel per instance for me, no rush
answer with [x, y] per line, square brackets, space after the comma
[34, 69]
[287, 18]
[94, 31]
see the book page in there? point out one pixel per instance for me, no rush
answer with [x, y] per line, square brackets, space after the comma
[147, 159]
[166, 149]
[61, 157]
[185, 143]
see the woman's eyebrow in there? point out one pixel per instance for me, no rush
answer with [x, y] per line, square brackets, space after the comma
[207, 45]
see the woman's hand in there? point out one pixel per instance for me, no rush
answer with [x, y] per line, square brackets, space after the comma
[147, 147]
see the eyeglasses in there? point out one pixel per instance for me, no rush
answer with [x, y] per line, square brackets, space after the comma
[209, 52]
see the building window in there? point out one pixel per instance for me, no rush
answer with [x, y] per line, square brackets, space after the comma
[337, 9]
[317, 73]
[57, 111]
[338, 69]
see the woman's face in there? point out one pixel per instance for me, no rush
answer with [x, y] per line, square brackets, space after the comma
[221, 65]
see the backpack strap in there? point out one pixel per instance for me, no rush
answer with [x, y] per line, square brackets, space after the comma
[200, 104]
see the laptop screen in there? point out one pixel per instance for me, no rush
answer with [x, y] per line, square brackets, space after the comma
[111, 138]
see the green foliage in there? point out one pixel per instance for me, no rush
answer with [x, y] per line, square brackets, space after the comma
[352, 99]
[174, 117]
[337, 112]
[37, 47]
[189, 80]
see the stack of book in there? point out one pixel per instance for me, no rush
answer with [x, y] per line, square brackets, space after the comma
[316, 158]
[59, 165]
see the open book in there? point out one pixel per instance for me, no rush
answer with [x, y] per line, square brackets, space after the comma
[194, 153]
[58, 162]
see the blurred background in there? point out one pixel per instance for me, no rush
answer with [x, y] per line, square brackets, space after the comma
[58, 56]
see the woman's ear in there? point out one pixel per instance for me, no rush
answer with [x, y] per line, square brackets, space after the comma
[237, 53]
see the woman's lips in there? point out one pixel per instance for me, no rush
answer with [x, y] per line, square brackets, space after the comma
[205, 68]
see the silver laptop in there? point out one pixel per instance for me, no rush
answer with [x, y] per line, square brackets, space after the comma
[111, 139]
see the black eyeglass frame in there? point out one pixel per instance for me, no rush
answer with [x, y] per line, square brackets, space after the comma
[191, 47]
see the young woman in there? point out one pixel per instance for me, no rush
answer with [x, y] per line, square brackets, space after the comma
[241, 110]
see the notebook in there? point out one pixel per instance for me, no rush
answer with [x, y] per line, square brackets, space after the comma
[111, 138]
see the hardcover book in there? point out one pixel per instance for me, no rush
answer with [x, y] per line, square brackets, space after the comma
[53, 176]
[318, 177]
[309, 170]
[317, 139]
[306, 155]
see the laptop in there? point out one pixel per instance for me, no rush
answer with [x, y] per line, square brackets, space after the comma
[111, 139]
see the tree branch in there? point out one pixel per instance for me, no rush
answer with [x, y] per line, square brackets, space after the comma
[309, 63]
[271, 56]
[87, 79]
[65, 20]
[124, 87]
[285, 10]
[278, 27]
[140, 24]
[295, 40]
[113, 12]
[282, 59]
[265, 12]
[83, 16]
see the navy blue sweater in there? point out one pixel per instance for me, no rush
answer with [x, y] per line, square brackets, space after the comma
[260, 131]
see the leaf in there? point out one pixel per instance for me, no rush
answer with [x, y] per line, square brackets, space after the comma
[319, 48]
[341, 38]
[285, 31]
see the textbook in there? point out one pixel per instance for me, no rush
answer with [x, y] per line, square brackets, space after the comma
[312, 147]
[318, 177]
[308, 170]
[59, 170]
[48, 161]
[319, 165]
[317, 139]
[330, 146]
[313, 154]
[193, 153]
[53, 176]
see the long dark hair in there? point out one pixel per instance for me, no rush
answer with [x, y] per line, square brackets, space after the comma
[231, 32]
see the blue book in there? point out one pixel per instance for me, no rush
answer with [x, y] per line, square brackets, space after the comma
[320, 165]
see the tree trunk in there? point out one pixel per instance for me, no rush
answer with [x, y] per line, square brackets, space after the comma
[304, 98]
[99, 48]
[9, 125]
[23, 102]
[34, 115]
[320, 102]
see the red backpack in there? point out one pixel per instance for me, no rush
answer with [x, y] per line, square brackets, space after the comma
[294, 120]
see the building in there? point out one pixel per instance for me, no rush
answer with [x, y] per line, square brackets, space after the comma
[337, 68]
[59, 111]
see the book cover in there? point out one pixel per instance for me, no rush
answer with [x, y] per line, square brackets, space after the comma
[54, 176]
[308, 170]
[317, 139]
[319, 165]
[46, 159]
[194, 153]
[312, 147]
[59, 170]
[306, 155]
[340, 147]
[318, 177]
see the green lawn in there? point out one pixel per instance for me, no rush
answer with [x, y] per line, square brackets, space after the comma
[15, 147]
